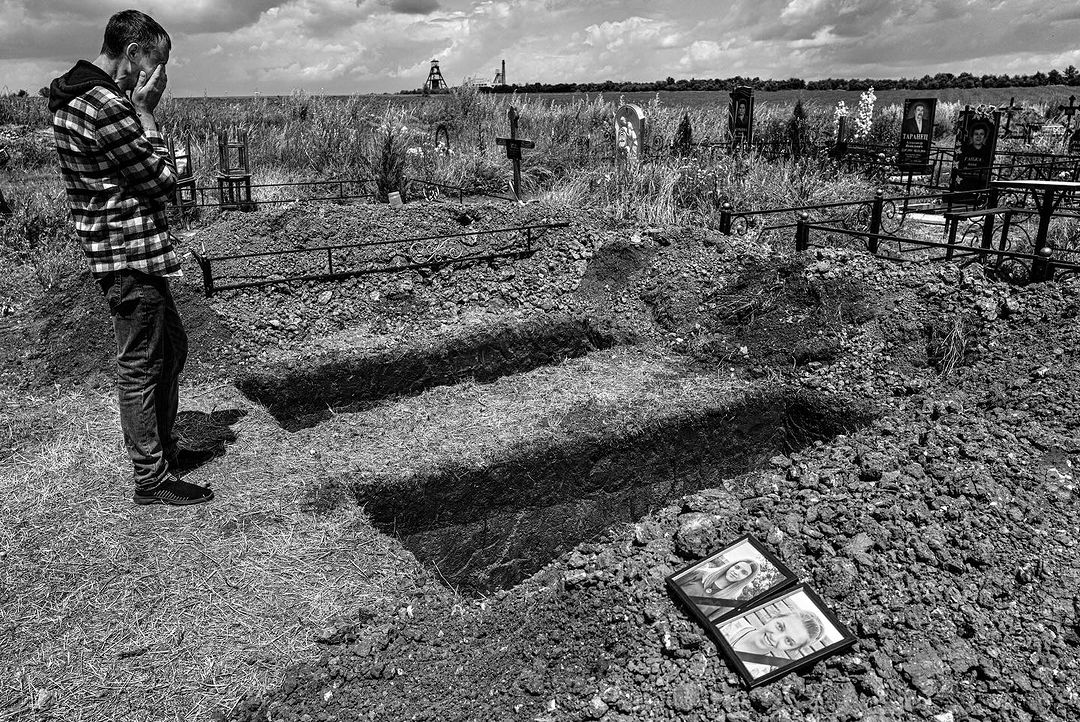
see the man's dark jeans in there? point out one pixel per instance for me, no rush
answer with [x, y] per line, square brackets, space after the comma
[151, 348]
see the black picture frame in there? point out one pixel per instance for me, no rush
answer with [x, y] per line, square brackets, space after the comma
[738, 635]
[697, 585]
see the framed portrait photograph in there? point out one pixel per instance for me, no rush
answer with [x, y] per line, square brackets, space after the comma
[782, 634]
[741, 573]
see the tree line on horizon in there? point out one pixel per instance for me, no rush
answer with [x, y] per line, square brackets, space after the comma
[1069, 76]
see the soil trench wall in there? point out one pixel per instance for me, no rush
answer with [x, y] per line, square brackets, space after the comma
[489, 528]
[301, 397]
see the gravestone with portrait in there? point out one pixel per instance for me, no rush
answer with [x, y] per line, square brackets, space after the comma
[741, 116]
[442, 139]
[976, 143]
[629, 136]
[916, 135]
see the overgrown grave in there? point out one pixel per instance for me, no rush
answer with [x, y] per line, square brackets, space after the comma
[234, 188]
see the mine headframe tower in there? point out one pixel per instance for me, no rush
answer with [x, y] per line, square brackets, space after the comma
[435, 81]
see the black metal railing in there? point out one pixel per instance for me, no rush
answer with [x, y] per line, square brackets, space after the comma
[1044, 263]
[336, 262]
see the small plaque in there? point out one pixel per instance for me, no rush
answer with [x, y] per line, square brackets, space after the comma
[395, 199]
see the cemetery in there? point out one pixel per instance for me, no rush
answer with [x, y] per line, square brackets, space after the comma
[478, 400]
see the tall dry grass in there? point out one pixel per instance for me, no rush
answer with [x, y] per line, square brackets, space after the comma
[314, 137]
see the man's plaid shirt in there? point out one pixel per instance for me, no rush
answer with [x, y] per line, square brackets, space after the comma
[118, 177]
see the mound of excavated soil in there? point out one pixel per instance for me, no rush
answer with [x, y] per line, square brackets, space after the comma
[944, 533]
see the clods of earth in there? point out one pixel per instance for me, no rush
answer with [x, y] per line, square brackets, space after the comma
[910, 452]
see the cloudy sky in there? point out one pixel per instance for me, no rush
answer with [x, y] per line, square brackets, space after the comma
[239, 47]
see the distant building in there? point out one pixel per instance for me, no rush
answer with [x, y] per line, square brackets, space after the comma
[495, 86]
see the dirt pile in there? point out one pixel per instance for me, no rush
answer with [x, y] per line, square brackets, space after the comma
[944, 533]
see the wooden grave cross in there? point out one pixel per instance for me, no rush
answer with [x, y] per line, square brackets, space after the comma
[1069, 110]
[513, 148]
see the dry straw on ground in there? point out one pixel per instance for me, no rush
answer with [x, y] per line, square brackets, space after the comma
[111, 611]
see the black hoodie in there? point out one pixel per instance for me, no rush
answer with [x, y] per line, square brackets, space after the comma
[75, 82]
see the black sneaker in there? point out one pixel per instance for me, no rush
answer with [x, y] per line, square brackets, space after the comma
[173, 492]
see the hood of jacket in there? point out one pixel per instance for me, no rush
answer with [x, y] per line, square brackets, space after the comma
[75, 82]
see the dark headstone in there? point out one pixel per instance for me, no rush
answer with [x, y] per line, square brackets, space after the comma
[916, 135]
[741, 115]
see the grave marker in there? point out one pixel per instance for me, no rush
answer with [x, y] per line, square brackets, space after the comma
[234, 178]
[1009, 110]
[741, 115]
[513, 146]
[916, 135]
[1069, 110]
[629, 135]
[185, 174]
[1074, 142]
[442, 139]
[976, 143]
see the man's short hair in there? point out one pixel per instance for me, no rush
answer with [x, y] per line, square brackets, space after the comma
[132, 26]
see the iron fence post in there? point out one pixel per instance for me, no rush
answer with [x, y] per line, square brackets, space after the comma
[725, 218]
[992, 199]
[875, 220]
[1006, 221]
[207, 275]
[1042, 268]
[953, 224]
[802, 232]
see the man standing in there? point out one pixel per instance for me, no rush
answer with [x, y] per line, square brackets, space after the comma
[118, 174]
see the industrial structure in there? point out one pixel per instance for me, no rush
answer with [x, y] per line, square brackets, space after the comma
[435, 82]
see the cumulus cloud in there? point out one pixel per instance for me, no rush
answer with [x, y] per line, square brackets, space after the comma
[349, 46]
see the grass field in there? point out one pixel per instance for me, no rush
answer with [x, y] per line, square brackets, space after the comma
[387, 137]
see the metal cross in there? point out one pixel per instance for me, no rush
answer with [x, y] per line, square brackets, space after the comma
[1068, 110]
[513, 148]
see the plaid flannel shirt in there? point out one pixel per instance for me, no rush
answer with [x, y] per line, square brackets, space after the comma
[118, 178]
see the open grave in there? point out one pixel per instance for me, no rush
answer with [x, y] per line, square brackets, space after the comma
[487, 483]
[300, 394]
